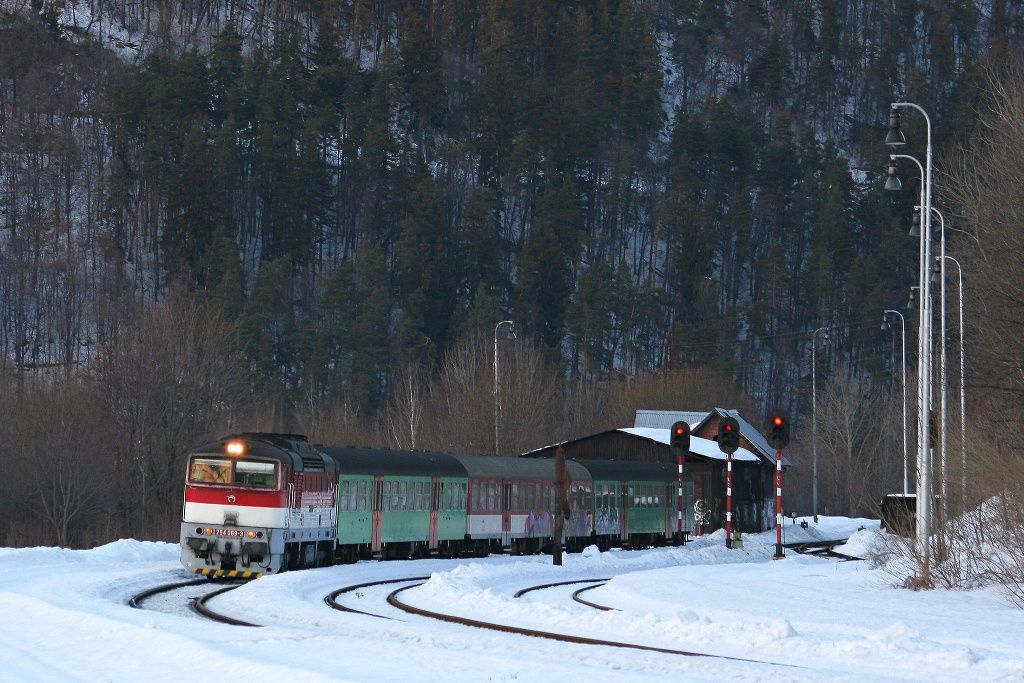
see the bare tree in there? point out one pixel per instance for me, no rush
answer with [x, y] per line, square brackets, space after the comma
[403, 419]
[984, 182]
[336, 424]
[859, 450]
[462, 405]
[166, 386]
[61, 445]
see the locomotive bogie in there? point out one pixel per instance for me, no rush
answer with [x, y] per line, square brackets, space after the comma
[231, 551]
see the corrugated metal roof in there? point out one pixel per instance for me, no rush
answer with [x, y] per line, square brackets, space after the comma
[663, 419]
[698, 445]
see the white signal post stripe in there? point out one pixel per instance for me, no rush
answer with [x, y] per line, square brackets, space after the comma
[778, 505]
[728, 500]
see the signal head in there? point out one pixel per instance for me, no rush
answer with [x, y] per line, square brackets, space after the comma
[778, 431]
[729, 435]
[680, 438]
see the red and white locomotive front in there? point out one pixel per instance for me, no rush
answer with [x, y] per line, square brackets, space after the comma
[257, 504]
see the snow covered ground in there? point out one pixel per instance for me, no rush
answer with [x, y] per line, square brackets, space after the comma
[63, 616]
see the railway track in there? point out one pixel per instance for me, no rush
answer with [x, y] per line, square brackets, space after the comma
[576, 594]
[198, 605]
[332, 598]
[822, 549]
[395, 601]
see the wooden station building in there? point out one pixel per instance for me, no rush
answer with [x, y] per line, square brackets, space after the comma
[704, 468]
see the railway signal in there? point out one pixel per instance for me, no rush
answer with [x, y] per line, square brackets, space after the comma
[729, 435]
[729, 443]
[778, 431]
[778, 437]
[679, 439]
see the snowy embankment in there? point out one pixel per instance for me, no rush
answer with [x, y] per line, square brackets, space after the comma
[63, 617]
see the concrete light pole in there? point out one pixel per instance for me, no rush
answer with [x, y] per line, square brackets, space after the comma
[895, 138]
[903, 364]
[497, 394]
[814, 421]
[963, 390]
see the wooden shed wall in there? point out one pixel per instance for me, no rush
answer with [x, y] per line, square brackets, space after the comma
[752, 482]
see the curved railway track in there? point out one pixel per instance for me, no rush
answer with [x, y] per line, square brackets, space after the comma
[576, 594]
[332, 598]
[198, 605]
[394, 601]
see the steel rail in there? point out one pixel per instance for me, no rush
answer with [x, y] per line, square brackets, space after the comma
[394, 601]
[199, 606]
[524, 591]
[136, 600]
[577, 598]
[332, 598]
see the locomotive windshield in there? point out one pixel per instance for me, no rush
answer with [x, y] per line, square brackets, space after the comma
[206, 470]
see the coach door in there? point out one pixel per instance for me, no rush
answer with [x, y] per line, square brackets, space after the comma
[506, 515]
[378, 495]
[435, 501]
[627, 502]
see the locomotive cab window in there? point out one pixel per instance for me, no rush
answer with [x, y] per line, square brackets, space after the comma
[210, 471]
[251, 473]
[239, 473]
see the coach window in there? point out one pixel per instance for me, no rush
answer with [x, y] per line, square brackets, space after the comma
[361, 499]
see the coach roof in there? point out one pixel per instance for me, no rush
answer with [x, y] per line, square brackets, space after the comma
[401, 463]
[499, 467]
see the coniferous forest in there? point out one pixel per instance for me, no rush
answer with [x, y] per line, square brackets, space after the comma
[310, 216]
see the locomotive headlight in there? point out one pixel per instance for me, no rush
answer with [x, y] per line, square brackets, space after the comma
[251, 534]
[235, 448]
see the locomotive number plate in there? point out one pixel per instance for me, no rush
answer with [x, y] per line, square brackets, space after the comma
[234, 533]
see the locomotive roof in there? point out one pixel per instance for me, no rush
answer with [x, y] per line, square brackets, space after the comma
[291, 449]
[495, 466]
[383, 461]
[631, 470]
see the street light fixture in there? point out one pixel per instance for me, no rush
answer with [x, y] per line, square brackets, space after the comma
[895, 138]
[903, 363]
[814, 419]
[497, 394]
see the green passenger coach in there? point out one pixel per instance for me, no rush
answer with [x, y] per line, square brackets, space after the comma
[394, 504]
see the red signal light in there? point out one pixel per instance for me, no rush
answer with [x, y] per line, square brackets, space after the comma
[680, 430]
[778, 420]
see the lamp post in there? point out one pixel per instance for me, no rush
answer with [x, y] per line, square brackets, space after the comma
[895, 138]
[941, 274]
[903, 364]
[497, 399]
[814, 420]
[963, 388]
